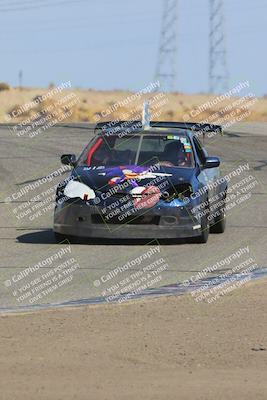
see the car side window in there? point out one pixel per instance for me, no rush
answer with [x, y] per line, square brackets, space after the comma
[201, 152]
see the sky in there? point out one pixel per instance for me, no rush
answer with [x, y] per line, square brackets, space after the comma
[113, 44]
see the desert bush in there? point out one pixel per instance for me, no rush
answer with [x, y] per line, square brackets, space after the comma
[4, 86]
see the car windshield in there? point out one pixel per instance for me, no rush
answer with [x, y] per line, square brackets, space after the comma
[167, 150]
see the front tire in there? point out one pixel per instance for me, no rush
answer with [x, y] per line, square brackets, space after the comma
[219, 223]
[205, 230]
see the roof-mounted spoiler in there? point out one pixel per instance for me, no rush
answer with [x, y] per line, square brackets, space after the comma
[192, 126]
[146, 124]
[115, 126]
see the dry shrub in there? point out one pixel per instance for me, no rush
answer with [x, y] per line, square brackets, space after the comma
[4, 86]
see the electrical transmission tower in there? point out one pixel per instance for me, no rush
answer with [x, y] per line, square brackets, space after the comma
[166, 65]
[218, 74]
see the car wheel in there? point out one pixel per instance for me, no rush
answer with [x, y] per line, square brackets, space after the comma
[219, 223]
[205, 230]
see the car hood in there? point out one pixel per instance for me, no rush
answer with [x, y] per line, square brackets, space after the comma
[130, 176]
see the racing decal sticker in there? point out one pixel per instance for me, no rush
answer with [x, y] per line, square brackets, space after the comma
[146, 197]
[187, 145]
[173, 137]
[78, 189]
[134, 174]
[93, 168]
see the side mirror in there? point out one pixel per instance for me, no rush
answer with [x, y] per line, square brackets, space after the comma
[212, 162]
[68, 159]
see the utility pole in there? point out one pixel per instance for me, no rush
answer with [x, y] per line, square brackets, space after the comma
[20, 79]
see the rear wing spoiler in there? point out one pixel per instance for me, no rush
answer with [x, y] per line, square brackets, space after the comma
[131, 126]
[115, 126]
[192, 126]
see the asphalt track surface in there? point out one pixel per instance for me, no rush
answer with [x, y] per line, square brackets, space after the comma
[26, 240]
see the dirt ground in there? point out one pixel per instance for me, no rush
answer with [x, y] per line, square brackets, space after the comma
[95, 106]
[165, 348]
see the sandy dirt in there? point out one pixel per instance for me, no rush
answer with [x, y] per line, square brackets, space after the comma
[165, 348]
[95, 106]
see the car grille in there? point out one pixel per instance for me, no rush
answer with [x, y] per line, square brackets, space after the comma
[140, 220]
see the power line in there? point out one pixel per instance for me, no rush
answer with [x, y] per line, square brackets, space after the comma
[70, 23]
[38, 6]
[21, 3]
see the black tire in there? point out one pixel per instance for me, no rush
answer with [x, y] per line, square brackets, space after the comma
[203, 238]
[205, 230]
[219, 223]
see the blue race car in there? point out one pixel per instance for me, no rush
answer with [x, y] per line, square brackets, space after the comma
[135, 181]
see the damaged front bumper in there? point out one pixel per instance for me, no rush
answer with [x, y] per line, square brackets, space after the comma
[165, 220]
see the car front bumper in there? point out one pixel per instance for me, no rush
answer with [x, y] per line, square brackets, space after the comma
[159, 222]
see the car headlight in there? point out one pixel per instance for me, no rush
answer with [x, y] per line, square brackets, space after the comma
[78, 189]
[182, 192]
